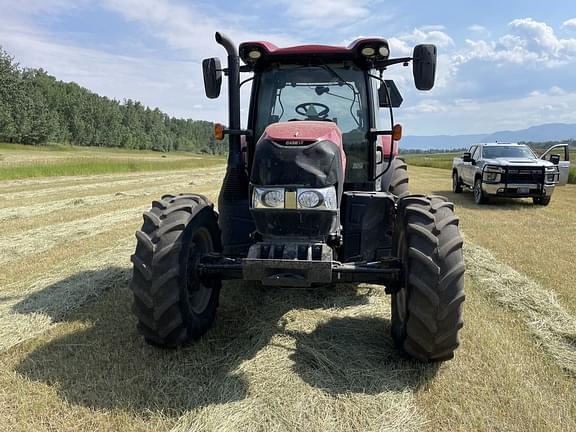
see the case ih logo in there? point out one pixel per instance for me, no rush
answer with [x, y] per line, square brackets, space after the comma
[293, 142]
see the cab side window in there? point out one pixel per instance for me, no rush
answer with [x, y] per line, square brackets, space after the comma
[475, 153]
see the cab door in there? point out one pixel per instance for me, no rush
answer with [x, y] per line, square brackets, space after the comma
[469, 168]
[560, 153]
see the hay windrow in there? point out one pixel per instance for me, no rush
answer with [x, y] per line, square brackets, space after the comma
[553, 326]
[75, 186]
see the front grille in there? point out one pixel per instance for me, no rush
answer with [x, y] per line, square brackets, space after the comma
[525, 175]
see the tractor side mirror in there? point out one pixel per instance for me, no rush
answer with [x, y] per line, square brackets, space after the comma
[467, 157]
[424, 66]
[555, 159]
[212, 77]
[395, 96]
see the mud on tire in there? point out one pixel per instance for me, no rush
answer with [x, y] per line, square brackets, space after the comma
[171, 305]
[427, 309]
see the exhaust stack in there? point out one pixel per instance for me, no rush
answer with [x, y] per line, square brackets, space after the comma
[235, 220]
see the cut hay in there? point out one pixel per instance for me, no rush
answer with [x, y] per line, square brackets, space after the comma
[553, 326]
[30, 308]
[320, 368]
[74, 186]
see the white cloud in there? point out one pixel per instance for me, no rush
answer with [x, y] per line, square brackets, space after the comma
[325, 13]
[469, 116]
[529, 42]
[571, 23]
[185, 27]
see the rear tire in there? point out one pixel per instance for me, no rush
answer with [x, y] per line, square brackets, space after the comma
[479, 195]
[172, 306]
[398, 184]
[543, 201]
[427, 309]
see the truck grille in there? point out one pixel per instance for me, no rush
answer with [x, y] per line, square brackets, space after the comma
[525, 175]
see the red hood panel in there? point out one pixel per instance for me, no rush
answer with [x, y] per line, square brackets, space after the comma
[305, 131]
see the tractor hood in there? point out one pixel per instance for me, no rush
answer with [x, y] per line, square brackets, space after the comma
[299, 153]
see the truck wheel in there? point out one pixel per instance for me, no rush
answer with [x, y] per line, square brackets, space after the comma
[172, 306]
[456, 183]
[543, 201]
[398, 183]
[427, 308]
[479, 195]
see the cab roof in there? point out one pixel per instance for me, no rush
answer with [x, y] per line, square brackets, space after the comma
[272, 53]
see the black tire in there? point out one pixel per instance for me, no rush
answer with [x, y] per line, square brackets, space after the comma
[543, 201]
[479, 195]
[171, 305]
[456, 183]
[427, 309]
[397, 182]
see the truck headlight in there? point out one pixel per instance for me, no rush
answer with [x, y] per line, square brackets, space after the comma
[324, 198]
[268, 198]
[492, 173]
[552, 173]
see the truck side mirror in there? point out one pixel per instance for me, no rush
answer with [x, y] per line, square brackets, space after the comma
[212, 77]
[467, 157]
[395, 96]
[555, 159]
[424, 66]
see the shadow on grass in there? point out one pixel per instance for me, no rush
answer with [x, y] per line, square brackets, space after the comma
[99, 361]
[466, 200]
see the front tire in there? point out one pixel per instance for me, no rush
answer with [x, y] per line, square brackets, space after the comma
[479, 195]
[543, 201]
[427, 308]
[172, 306]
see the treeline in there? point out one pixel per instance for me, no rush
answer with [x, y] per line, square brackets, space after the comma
[36, 108]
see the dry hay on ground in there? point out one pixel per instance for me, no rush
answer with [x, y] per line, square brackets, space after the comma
[553, 326]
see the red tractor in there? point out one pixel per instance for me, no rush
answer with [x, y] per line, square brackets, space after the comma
[314, 194]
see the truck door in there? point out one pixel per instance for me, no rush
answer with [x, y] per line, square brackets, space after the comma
[469, 168]
[563, 151]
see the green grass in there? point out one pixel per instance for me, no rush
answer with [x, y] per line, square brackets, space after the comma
[444, 161]
[92, 166]
[431, 160]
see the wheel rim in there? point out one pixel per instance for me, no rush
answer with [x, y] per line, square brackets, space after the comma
[477, 192]
[198, 294]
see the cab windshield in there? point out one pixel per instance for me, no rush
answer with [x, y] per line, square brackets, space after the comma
[335, 93]
[505, 152]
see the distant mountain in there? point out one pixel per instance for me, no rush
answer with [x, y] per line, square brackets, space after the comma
[545, 132]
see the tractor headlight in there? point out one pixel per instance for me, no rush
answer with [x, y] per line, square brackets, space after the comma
[268, 198]
[303, 198]
[324, 198]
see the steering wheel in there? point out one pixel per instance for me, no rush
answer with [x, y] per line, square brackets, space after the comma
[303, 108]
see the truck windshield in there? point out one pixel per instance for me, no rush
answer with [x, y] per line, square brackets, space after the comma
[335, 93]
[505, 152]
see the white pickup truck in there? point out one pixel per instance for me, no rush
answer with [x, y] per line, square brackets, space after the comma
[511, 170]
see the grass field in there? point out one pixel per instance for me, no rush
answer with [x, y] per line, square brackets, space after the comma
[444, 161]
[19, 161]
[276, 359]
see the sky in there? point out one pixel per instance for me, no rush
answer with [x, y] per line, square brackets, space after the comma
[502, 64]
